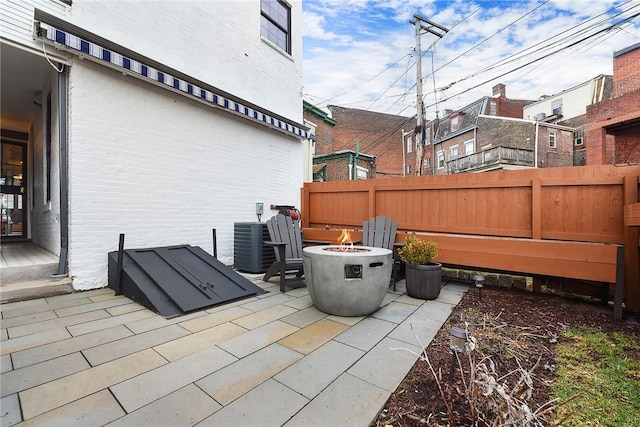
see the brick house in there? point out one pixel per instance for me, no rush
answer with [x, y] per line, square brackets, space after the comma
[613, 125]
[377, 134]
[159, 121]
[481, 137]
[569, 108]
[343, 165]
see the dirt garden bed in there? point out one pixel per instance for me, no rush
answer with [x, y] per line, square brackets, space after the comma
[519, 329]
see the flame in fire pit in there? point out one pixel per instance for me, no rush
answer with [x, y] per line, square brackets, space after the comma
[345, 239]
[346, 244]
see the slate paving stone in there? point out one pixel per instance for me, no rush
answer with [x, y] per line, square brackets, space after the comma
[313, 373]
[184, 407]
[366, 334]
[214, 319]
[394, 312]
[10, 411]
[263, 317]
[109, 322]
[132, 344]
[269, 404]
[189, 344]
[348, 401]
[146, 387]
[238, 378]
[269, 300]
[416, 330]
[386, 364]
[61, 322]
[20, 310]
[51, 395]
[313, 336]
[27, 319]
[29, 341]
[435, 310]
[31, 376]
[96, 410]
[258, 338]
[304, 317]
[84, 308]
[155, 321]
[71, 345]
[5, 363]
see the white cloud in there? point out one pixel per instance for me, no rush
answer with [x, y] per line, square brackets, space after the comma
[348, 43]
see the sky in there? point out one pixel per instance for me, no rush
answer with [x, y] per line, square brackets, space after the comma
[362, 53]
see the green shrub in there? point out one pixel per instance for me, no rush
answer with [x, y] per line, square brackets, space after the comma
[417, 251]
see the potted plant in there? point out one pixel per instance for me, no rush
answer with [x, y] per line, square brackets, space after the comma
[423, 275]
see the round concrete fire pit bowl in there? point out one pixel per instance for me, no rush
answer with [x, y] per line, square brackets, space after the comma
[347, 283]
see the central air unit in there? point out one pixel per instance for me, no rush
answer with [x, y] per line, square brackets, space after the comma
[540, 116]
[250, 254]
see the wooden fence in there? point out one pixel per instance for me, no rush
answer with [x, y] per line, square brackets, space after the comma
[550, 217]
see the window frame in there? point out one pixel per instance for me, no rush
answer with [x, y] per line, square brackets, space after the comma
[453, 155]
[466, 144]
[553, 140]
[440, 157]
[455, 123]
[264, 15]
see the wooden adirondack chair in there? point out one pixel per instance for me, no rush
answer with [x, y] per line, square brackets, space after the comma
[380, 232]
[286, 239]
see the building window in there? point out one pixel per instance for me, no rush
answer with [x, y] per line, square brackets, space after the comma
[408, 169]
[468, 147]
[427, 136]
[493, 109]
[455, 123]
[453, 152]
[275, 23]
[440, 159]
[552, 140]
[409, 145]
[578, 137]
[427, 162]
[361, 173]
[556, 106]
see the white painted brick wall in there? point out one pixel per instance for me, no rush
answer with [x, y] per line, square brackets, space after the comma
[163, 170]
[45, 216]
[217, 42]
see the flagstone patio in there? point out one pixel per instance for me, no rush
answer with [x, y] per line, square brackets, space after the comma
[96, 359]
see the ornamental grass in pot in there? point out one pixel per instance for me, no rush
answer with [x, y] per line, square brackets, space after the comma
[423, 275]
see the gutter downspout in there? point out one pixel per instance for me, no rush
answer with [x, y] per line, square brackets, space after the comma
[64, 171]
[535, 156]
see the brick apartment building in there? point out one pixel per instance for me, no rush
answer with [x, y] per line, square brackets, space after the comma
[613, 125]
[377, 135]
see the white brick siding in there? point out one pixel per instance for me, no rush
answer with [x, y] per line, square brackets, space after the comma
[164, 170]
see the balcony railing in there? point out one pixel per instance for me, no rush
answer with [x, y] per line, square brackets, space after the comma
[490, 158]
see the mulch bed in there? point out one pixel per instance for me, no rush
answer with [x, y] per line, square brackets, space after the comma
[513, 326]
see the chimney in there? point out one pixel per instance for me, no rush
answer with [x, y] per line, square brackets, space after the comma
[500, 90]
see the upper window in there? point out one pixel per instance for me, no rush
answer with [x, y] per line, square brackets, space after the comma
[552, 139]
[275, 23]
[455, 123]
[427, 136]
[409, 145]
[556, 106]
[468, 147]
[453, 152]
[440, 159]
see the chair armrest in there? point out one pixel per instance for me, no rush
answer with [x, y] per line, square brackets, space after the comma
[315, 242]
[276, 244]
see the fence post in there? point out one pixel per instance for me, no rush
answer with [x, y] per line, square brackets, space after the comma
[536, 208]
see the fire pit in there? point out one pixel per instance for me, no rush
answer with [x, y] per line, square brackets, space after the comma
[347, 280]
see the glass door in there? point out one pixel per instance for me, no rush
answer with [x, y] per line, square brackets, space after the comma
[13, 190]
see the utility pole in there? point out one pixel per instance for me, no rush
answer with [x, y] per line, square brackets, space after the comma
[422, 24]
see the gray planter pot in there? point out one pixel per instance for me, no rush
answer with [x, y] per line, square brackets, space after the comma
[424, 281]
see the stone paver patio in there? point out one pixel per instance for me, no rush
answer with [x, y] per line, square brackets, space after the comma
[96, 359]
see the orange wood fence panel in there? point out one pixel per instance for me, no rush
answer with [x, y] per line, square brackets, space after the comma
[577, 204]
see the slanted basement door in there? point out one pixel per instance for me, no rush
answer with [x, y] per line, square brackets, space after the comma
[175, 280]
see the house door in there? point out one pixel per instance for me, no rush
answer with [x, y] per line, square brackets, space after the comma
[13, 190]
